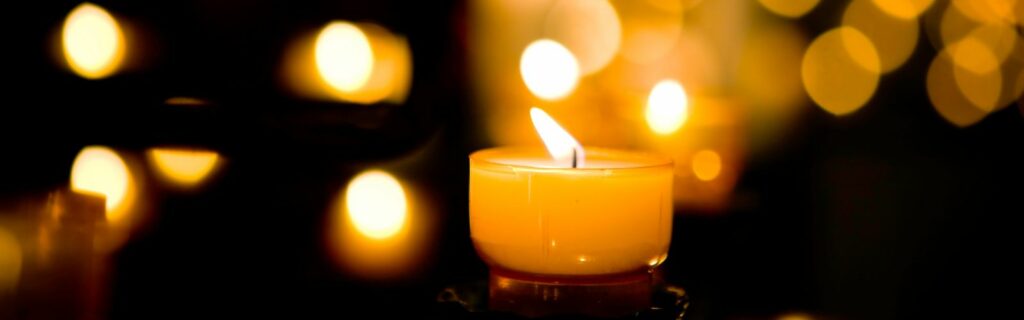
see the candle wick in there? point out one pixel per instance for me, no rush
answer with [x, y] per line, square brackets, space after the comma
[574, 158]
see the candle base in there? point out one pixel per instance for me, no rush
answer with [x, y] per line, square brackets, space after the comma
[534, 296]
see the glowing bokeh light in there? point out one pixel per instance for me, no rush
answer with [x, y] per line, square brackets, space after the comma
[706, 165]
[343, 56]
[100, 170]
[93, 42]
[376, 204]
[789, 8]
[894, 38]
[181, 166]
[768, 59]
[563, 148]
[590, 29]
[10, 261]
[667, 107]
[832, 75]
[903, 9]
[946, 95]
[650, 29]
[977, 75]
[549, 70]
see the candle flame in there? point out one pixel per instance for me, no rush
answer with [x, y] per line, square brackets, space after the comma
[563, 148]
[376, 204]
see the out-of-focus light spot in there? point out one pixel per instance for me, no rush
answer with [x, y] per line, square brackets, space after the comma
[549, 70]
[343, 56]
[93, 41]
[376, 204]
[999, 36]
[706, 165]
[893, 37]
[10, 261]
[903, 9]
[766, 68]
[667, 107]
[946, 96]
[977, 74]
[183, 167]
[100, 170]
[650, 29]
[789, 8]
[832, 75]
[396, 242]
[590, 29]
[988, 11]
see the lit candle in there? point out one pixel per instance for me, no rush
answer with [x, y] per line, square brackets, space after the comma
[569, 212]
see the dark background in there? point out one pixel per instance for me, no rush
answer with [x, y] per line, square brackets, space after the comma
[888, 213]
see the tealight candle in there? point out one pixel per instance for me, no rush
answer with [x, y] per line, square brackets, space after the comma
[570, 212]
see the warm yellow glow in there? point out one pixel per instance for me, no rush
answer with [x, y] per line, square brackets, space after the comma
[650, 29]
[989, 11]
[832, 75]
[183, 167]
[343, 56]
[765, 73]
[93, 42]
[789, 8]
[355, 63]
[706, 165]
[903, 9]
[376, 204]
[589, 28]
[999, 36]
[100, 170]
[667, 107]
[894, 38]
[549, 70]
[10, 261]
[946, 96]
[977, 74]
[184, 101]
[563, 148]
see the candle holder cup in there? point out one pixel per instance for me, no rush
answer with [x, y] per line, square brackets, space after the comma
[570, 240]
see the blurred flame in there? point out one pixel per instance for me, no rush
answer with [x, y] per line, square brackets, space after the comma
[378, 228]
[789, 8]
[562, 147]
[706, 164]
[895, 38]
[667, 107]
[833, 70]
[93, 42]
[359, 63]
[183, 167]
[100, 170]
[376, 204]
[549, 70]
[10, 261]
[589, 28]
[343, 56]
[903, 9]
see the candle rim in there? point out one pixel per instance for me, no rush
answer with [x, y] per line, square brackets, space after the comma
[650, 160]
